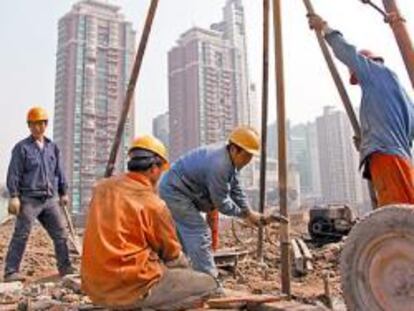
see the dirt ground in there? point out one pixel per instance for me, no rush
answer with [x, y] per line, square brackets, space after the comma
[250, 275]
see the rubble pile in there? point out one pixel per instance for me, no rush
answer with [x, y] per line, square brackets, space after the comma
[44, 290]
[264, 278]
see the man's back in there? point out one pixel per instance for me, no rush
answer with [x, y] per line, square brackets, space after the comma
[128, 229]
[386, 114]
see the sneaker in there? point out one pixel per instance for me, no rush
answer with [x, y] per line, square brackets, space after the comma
[66, 271]
[14, 277]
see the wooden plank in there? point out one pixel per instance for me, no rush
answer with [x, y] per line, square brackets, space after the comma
[308, 258]
[241, 301]
[305, 250]
[298, 260]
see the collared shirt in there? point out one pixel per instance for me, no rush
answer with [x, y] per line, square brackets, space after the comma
[129, 233]
[36, 172]
[386, 111]
[213, 180]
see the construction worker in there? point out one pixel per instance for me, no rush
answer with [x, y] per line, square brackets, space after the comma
[131, 254]
[35, 178]
[386, 116]
[206, 179]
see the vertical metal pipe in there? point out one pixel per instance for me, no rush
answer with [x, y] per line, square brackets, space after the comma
[281, 124]
[131, 87]
[402, 36]
[265, 93]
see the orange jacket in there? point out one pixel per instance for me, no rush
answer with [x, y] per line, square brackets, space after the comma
[129, 231]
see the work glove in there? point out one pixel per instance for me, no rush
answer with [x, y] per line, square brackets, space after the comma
[316, 22]
[180, 262]
[14, 206]
[64, 200]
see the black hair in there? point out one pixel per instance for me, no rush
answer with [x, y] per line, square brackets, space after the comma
[142, 160]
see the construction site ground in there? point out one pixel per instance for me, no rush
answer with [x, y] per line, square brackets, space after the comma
[44, 290]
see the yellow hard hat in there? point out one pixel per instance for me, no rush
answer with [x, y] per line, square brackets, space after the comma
[150, 143]
[37, 114]
[246, 138]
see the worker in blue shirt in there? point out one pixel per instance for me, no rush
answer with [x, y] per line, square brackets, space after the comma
[386, 117]
[205, 179]
[35, 178]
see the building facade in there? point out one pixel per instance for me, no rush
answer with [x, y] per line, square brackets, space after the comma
[94, 58]
[161, 128]
[209, 84]
[338, 160]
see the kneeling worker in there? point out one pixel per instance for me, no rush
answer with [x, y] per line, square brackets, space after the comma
[131, 255]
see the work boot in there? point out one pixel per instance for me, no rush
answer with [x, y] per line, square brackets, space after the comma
[13, 277]
[66, 271]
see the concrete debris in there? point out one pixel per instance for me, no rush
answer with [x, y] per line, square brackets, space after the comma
[11, 288]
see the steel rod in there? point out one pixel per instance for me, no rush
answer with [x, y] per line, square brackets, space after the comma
[265, 96]
[397, 24]
[282, 146]
[126, 107]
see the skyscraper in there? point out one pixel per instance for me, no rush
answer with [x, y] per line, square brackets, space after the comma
[340, 182]
[200, 90]
[161, 129]
[208, 83]
[233, 29]
[94, 58]
[304, 154]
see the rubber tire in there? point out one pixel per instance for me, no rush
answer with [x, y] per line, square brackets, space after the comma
[383, 221]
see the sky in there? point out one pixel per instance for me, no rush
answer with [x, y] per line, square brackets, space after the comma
[28, 32]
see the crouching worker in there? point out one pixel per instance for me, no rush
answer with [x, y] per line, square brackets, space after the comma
[131, 255]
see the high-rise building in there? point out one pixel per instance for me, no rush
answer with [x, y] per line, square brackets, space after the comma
[313, 149]
[200, 90]
[304, 154]
[161, 128]
[340, 181]
[94, 59]
[233, 29]
[208, 83]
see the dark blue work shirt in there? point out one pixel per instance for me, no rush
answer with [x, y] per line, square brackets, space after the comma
[387, 112]
[213, 179]
[35, 172]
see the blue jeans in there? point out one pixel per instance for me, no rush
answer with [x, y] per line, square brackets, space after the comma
[193, 230]
[49, 215]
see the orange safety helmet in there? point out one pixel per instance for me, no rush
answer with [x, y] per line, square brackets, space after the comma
[37, 114]
[369, 54]
[246, 138]
[150, 143]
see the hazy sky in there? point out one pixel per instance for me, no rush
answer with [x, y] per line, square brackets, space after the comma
[28, 32]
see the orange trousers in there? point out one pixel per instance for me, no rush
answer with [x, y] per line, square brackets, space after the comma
[392, 178]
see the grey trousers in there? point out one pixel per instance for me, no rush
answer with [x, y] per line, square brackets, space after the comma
[49, 215]
[178, 289]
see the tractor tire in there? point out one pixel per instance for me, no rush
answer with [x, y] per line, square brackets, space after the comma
[377, 261]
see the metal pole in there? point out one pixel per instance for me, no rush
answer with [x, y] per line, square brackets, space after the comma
[397, 24]
[342, 93]
[265, 93]
[336, 77]
[131, 87]
[281, 124]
